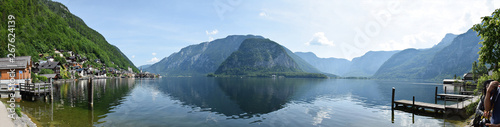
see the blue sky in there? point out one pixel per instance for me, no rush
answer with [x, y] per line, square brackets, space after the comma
[148, 31]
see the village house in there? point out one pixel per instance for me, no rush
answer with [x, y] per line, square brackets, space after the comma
[54, 66]
[21, 68]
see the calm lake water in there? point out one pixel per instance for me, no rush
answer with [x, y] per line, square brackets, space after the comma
[205, 101]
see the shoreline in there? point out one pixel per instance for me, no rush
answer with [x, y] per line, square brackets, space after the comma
[23, 121]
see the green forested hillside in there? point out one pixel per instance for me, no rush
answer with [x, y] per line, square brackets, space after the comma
[42, 25]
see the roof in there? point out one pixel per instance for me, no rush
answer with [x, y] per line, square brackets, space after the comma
[20, 62]
[48, 65]
[467, 75]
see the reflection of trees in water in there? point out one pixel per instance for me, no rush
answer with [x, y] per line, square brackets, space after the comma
[70, 106]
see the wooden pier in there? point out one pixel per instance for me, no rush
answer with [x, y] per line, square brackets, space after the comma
[437, 107]
[32, 90]
[458, 108]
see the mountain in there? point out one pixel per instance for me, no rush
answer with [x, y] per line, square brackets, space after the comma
[206, 57]
[455, 59]
[327, 65]
[449, 57]
[364, 66]
[144, 67]
[199, 59]
[260, 57]
[43, 25]
[368, 64]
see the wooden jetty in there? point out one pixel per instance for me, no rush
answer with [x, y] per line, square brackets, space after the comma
[437, 107]
[458, 108]
[32, 90]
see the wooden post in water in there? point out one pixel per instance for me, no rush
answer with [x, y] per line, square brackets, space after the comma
[435, 96]
[445, 91]
[413, 110]
[90, 93]
[392, 104]
[51, 91]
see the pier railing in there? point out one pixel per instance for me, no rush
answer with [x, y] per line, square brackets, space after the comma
[35, 88]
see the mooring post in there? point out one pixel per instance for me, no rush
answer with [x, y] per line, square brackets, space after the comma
[413, 112]
[392, 102]
[90, 93]
[413, 105]
[435, 96]
[445, 91]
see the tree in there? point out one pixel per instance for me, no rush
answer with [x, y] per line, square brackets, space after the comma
[478, 70]
[46, 71]
[489, 30]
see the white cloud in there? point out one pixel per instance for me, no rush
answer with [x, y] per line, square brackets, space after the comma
[263, 14]
[210, 38]
[133, 56]
[154, 53]
[153, 60]
[213, 32]
[320, 39]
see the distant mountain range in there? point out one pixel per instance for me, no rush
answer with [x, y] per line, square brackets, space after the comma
[454, 55]
[364, 66]
[206, 57]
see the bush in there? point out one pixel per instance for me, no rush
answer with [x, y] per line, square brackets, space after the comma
[479, 85]
[42, 78]
[18, 111]
[46, 71]
[34, 78]
[471, 109]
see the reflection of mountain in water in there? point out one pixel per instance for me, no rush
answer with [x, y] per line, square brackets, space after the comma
[253, 96]
[233, 96]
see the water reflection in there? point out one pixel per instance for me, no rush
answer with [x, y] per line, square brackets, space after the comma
[70, 107]
[206, 101]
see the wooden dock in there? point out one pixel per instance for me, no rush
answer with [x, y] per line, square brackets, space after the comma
[32, 90]
[458, 108]
[439, 107]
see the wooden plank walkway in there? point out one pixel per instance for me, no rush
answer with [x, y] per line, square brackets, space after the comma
[440, 107]
[463, 104]
[420, 104]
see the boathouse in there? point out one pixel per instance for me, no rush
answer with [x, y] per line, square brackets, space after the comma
[21, 66]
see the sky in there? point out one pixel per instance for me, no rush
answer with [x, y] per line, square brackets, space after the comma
[148, 31]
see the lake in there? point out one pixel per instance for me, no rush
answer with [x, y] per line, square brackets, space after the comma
[206, 101]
